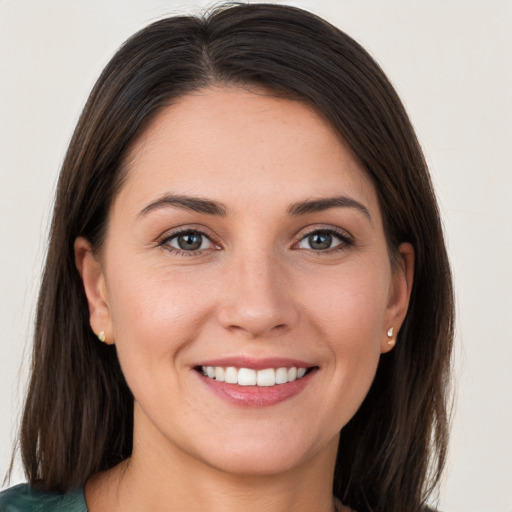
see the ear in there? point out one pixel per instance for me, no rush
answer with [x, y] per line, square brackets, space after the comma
[91, 272]
[400, 293]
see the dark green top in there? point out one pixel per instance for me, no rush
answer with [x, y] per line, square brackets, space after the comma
[24, 498]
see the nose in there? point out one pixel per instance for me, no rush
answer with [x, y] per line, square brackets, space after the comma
[257, 300]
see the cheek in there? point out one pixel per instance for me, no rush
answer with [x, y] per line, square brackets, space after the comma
[155, 313]
[155, 320]
[347, 315]
[358, 314]
[351, 302]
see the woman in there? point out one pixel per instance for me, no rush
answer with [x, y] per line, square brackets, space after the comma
[247, 302]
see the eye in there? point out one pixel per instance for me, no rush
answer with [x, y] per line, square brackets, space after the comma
[188, 241]
[324, 240]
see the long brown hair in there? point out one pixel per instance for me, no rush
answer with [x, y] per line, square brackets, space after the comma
[78, 412]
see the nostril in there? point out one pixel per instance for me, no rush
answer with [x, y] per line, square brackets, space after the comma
[257, 310]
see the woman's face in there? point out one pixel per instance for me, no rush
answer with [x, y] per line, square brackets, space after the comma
[246, 236]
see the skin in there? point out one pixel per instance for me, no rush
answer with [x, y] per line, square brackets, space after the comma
[256, 288]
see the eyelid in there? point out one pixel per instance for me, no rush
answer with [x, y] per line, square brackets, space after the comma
[346, 238]
[163, 239]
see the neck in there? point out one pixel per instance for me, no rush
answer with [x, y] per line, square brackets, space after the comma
[171, 479]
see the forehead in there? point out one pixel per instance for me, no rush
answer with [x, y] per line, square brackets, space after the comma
[236, 143]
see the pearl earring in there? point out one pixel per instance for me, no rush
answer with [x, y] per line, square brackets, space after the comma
[390, 333]
[101, 336]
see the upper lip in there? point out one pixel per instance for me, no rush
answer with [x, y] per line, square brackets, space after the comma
[256, 364]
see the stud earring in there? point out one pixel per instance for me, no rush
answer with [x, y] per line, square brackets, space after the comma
[391, 340]
[101, 336]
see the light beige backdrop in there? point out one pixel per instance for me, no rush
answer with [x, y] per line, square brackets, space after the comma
[450, 61]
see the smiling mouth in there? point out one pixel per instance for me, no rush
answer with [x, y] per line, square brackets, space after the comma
[267, 377]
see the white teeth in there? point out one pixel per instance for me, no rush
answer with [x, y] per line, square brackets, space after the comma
[246, 377]
[266, 377]
[249, 377]
[219, 373]
[282, 375]
[231, 375]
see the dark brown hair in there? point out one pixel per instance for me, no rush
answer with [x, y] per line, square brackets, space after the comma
[78, 413]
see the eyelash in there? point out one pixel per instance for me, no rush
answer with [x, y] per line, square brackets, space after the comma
[345, 240]
[166, 239]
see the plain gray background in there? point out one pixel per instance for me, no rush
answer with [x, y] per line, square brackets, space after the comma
[451, 63]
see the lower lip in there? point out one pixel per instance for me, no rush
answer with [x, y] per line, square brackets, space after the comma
[257, 396]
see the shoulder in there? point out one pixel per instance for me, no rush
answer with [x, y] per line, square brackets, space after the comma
[24, 498]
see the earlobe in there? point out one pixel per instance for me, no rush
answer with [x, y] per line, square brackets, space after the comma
[91, 272]
[400, 293]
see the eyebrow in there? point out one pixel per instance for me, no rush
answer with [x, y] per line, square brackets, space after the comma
[319, 205]
[195, 204]
[210, 207]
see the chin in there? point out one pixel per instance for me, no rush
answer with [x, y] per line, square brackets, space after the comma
[261, 456]
[256, 464]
